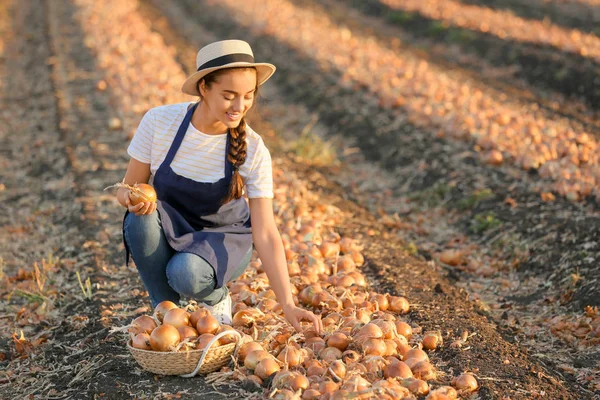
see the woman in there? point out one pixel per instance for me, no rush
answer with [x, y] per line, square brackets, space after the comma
[200, 157]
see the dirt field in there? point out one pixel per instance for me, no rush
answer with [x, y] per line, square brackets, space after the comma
[507, 253]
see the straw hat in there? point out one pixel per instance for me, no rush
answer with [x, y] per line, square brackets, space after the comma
[225, 54]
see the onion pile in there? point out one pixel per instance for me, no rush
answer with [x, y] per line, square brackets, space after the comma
[366, 349]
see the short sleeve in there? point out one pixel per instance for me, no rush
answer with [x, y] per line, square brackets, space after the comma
[260, 179]
[140, 147]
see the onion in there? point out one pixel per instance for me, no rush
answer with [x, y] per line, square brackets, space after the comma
[311, 394]
[266, 367]
[328, 386]
[187, 332]
[356, 383]
[416, 354]
[239, 306]
[465, 383]
[359, 279]
[382, 301]
[416, 386]
[203, 340]
[443, 393]
[315, 368]
[402, 348]
[201, 312]
[207, 324]
[350, 356]
[177, 317]
[431, 340]
[164, 337]
[399, 305]
[290, 356]
[162, 308]
[390, 347]
[254, 357]
[142, 324]
[404, 329]
[245, 317]
[338, 369]
[330, 354]
[358, 258]
[363, 315]
[141, 341]
[246, 348]
[227, 339]
[397, 369]
[316, 344]
[347, 245]
[371, 331]
[142, 192]
[238, 287]
[346, 263]
[423, 370]
[290, 380]
[387, 328]
[329, 249]
[339, 340]
[374, 347]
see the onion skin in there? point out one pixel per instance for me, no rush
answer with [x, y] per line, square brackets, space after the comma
[141, 341]
[164, 337]
[142, 324]
[142, 192]
[330, 354]
[465, 383]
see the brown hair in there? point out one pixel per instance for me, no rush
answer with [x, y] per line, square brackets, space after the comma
[237, 139]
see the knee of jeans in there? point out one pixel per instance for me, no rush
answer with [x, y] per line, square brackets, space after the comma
[190, 275]
[137, 223]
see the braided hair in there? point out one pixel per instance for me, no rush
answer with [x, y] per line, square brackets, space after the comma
[237, 141]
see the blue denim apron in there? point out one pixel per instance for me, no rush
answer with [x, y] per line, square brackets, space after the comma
[193, 219]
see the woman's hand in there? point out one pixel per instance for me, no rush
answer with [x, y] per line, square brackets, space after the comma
[142, 208]
[295, 315]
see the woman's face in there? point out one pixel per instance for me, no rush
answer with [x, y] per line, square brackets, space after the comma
[229, 98]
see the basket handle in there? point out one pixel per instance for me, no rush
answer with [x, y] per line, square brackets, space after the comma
[205, 351]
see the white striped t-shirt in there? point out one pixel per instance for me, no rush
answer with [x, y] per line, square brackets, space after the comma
[200, 157]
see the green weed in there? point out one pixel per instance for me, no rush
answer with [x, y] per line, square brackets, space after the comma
[400, 17]
[437, 28]
[85, 288]
[312, 148]
[474, 198]
[484, 221]
[433, 196]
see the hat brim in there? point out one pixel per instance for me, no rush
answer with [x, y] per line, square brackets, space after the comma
[263, 72]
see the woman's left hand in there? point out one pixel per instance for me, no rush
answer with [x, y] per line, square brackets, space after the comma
[295, 315]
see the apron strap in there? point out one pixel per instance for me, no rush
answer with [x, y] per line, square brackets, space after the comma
[180, 135]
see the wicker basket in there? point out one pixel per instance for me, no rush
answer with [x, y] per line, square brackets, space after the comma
[187, 363]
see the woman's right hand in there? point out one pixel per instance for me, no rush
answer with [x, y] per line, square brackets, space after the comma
[142, 208]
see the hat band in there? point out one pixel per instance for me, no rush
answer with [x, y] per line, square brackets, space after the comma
[227, 59]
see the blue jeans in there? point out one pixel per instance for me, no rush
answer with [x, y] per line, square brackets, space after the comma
[167, 274]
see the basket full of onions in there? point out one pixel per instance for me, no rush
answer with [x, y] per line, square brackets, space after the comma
[181, 341]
